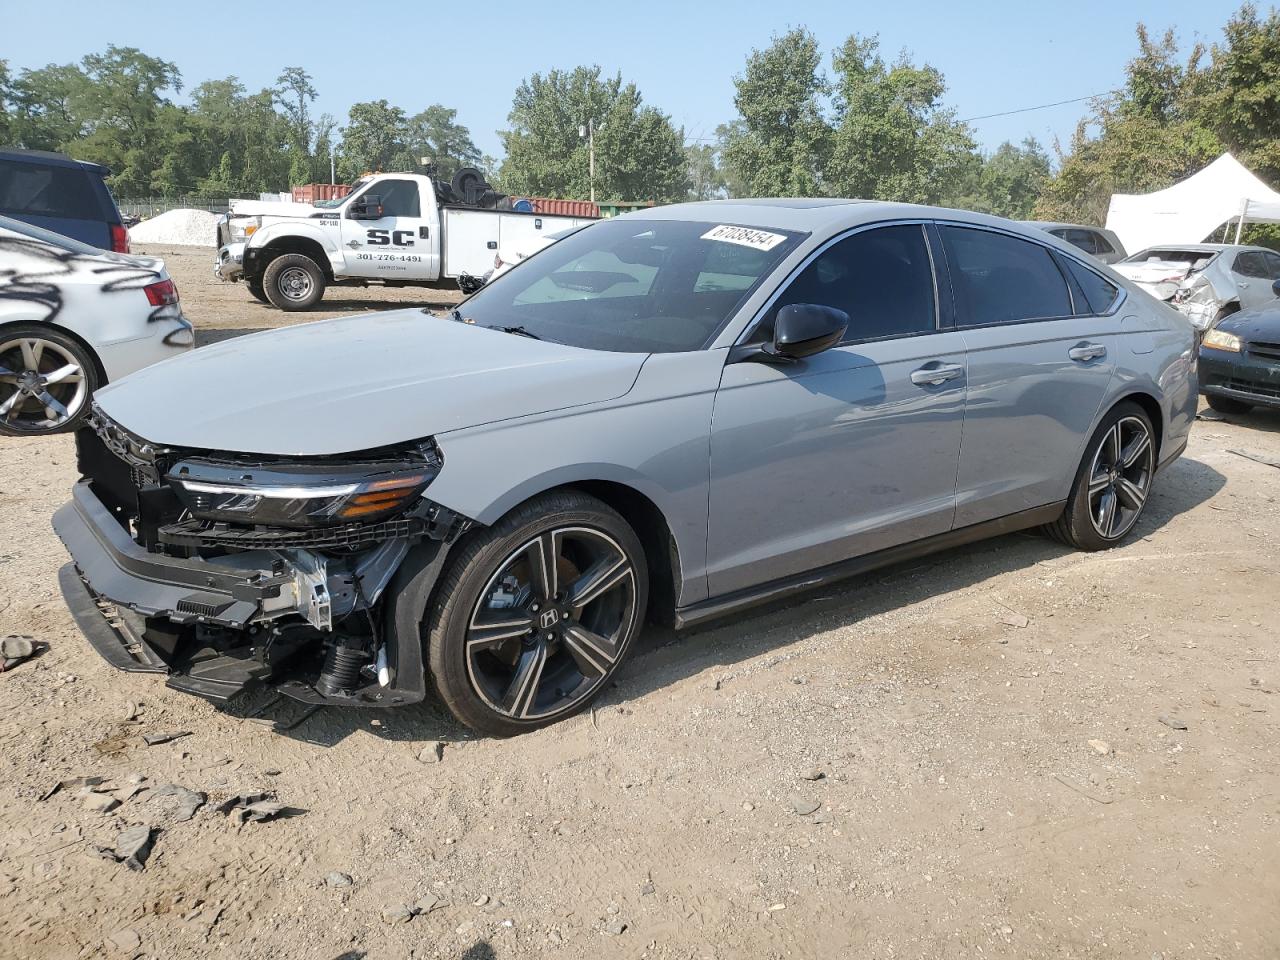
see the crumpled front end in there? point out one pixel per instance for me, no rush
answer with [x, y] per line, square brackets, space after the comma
[226, 574]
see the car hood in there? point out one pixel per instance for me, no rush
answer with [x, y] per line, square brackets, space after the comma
[339, 386]
[1251, 325]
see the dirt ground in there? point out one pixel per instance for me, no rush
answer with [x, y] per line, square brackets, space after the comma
[984, 789]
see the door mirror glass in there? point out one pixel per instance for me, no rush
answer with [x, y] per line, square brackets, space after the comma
[803, 329]
[368, 207]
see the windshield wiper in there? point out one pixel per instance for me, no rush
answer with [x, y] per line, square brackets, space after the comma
[518, 331]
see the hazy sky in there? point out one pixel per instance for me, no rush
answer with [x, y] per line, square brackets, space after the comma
[996, 57]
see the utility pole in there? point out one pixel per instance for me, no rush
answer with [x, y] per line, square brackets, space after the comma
[589, 131]
[333, 176]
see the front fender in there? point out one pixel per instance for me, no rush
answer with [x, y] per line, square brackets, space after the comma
[291, 231]
[654, 440]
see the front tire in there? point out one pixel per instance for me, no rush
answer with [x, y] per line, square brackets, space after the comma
[1227, 404]
[293, 281]
[536, 614]
[256, 290]
[1113, 482]
[46, 380]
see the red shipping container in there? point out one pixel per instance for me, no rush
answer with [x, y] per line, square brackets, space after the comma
[564, 208]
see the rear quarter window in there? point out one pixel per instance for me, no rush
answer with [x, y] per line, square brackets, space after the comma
[47, 190]
[1100, 293]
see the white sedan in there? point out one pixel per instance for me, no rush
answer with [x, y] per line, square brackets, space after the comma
[73, 318]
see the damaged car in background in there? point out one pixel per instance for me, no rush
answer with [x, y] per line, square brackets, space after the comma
[1205, 281]
[676, 414]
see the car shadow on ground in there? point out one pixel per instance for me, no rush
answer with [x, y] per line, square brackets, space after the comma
[662, 656]
[1259, 418]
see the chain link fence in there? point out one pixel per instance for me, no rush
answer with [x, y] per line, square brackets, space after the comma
[144, 208]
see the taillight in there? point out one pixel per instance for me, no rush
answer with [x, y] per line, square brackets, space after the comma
[119, 238]
[162, 293]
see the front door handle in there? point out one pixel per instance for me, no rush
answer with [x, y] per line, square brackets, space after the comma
[931, 375]
[1084, 352]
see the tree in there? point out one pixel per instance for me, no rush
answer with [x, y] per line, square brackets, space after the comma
[374, 140]
[1144, 137]
[639, 153]
[1240, 95]
[294, 95]
[780, 142]
[893, 140]
[45, 107]
[706, 179]
[119, 103]
[1007, 183]
[8, 109]
[436, 133]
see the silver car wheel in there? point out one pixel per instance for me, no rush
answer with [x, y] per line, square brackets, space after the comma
[1120, 477]
[295, 283]
[551, 623]
[42, 385]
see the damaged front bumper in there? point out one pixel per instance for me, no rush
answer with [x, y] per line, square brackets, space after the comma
[229, 263]
[221, 625]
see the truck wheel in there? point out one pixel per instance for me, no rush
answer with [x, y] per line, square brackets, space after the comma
[255, 288]
[293, 281]
[536, 614]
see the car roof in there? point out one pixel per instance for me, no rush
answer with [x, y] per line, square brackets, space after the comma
[49, 157]
[1059, 225]
[815, 214]
[1200, 247]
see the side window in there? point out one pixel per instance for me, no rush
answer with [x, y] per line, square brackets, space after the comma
[1102, 243]
[48, 190]
[999, 278]
[1273, 265]
[1251, 264]
[1100, 293]
[882, 278]
[399, 198]
[1085, 240]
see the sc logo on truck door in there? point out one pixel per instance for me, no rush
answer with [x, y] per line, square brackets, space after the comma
[382, 238]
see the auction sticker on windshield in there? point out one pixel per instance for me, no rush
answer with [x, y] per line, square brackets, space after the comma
[744, 236]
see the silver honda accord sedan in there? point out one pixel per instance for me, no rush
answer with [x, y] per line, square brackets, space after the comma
[674, 415]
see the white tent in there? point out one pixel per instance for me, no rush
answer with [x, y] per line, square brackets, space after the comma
[1188, 211]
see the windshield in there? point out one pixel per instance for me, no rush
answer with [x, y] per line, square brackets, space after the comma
[336, 201]
[644, 286]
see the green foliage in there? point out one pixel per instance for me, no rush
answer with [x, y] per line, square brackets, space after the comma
[893, 139]
[1174, 115]
[1006, 184]
[436, 133]
[706, 177]
[639, 154]
[375, 140]
[781, 140]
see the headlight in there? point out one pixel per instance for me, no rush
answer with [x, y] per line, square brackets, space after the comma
[1221, 340]
[300, 494]
[242, 228]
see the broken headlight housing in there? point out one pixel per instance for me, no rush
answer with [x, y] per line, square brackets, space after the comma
[298, 495]
[1221, 340]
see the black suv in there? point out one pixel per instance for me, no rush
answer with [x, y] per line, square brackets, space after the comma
[66, 196]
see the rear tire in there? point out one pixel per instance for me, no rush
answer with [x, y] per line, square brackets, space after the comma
[511, 651]
[46, 380]
[293, 281]
[1227, 404]
[1112, 484]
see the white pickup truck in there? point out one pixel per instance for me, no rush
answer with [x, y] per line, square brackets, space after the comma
[397, 229]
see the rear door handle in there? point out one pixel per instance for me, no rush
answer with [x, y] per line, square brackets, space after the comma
[931, 375]
[1084, 352]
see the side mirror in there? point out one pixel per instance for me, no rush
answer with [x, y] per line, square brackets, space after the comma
[803, 329]
[368, 207]
[1275, 287]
